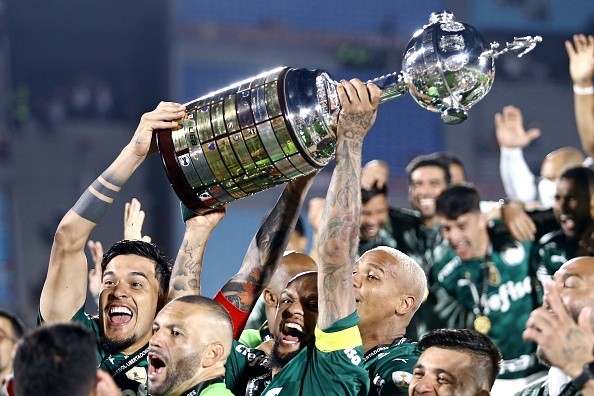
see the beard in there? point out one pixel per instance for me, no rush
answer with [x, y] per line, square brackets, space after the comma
[542, 357]
[279, 360]
[181, 371]
[118, 345]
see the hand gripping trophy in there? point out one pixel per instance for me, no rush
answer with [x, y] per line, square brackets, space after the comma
[278, 126]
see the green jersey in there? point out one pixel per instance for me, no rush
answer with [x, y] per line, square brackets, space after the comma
[498, 292]
[390, 367]
[215, 390]
[333, 365]
[253, 337]
[129, 372]
[553, 251]
[213, 387]
[426, 246]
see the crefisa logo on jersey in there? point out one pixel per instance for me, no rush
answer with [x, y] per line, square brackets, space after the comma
[513, 253]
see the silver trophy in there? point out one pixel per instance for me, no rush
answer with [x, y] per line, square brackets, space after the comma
[280, 125]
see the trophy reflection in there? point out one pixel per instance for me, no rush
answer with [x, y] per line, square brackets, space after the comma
[279, 125]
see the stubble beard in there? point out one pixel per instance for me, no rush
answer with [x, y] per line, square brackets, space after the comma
[184, 369]
[278, 360]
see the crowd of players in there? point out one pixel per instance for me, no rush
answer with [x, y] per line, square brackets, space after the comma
[456, 296]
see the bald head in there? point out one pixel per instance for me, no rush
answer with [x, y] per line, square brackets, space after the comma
[575, 280]
[215, 322]
[557, 161]
[412, 278]
[291, 264]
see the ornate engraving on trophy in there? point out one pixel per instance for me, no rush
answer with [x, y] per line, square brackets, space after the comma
[454, 42]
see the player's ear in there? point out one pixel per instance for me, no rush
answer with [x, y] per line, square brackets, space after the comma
[269, 298]
[405, 305]
[212, 354]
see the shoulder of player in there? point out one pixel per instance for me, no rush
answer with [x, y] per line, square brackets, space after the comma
[552, 237]
[446, 266]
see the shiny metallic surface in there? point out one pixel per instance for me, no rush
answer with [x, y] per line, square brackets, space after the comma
[280, 125]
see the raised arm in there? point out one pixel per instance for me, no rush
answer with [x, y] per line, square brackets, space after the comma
[338, 236]
[581, 70]
[375, 173]
[185, 275]
[65, 287]
[517, 178]
[267, 246]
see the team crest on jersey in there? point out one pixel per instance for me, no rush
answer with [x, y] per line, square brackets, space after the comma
[494, 277]
[137, 374]
[513, 254]
[401, 378]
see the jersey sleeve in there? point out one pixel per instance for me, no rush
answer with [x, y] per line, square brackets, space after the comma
[238, 317]
[243, 364]
[340, 358]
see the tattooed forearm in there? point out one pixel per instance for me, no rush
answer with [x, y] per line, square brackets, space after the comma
[267, 246]
[339, 234]
[188, 265]
[96, 199]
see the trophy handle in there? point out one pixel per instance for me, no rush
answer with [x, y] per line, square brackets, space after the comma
[392, 86]
[526, 43]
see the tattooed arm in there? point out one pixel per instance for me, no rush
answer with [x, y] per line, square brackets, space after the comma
[185, 275]
[65, 286]
[267, 247]
[338, 236]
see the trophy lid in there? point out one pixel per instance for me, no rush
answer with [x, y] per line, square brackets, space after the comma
[441, 17]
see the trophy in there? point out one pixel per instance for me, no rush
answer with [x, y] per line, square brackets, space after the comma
[279, 125]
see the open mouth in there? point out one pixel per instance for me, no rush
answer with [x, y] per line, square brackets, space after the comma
[369, 231]
[427, 204]
[292, 334]
[119, 315]
[567, 223]
[156, 365]
[462, 248]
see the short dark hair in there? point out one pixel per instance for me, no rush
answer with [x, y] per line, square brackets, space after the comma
[146, 250]
[581, 175]
[57, 359]
[422, 161]
[449, 159]
[18, 328]
[458, 199]
[367, 194]
[479, 346]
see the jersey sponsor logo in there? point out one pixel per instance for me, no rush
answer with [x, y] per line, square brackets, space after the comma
[273, 392]
[513, 255]
[401, 378]
[508, 293]
[253, 359]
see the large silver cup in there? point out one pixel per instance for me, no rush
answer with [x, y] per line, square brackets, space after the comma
[279, 125]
